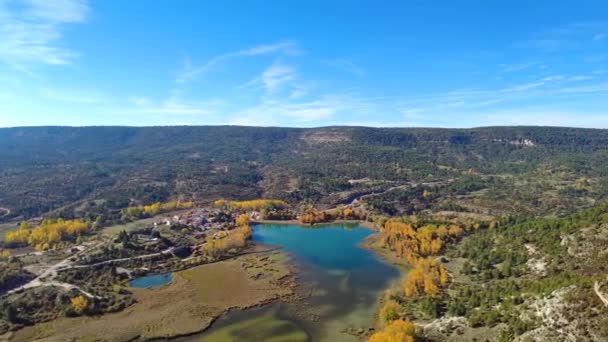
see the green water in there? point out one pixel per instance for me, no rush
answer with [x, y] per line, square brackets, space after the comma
[343, 280]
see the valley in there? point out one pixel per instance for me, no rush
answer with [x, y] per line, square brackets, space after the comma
[326, 234]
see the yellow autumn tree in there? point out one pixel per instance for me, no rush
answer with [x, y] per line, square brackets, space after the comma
[389, 312]
[49, 233]
[315, 217]
[242, 220]
[20, 235]
[427, 277]
[227, 242]
[156, 208]
[256, 204]
[397, 331]
[79, 304]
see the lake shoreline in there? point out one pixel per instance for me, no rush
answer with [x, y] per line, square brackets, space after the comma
[362, 223]
[364, 327]
[181, 292]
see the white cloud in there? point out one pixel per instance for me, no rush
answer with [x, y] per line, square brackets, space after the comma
[279, 80]
[190, 72]
[526, 86]
[599, 36]
[286, 47]
[277, 75]
[273, 78]
[31, 32]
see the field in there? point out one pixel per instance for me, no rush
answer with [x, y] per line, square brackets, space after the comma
[194, 299]
[130, 226]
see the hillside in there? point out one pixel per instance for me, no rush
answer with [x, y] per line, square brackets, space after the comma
[541, 279]
[495, 170]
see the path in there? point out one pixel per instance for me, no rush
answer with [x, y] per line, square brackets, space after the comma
[161, 253]
[6, 211]
[403, 186]
[596, 288]
[47, 276]
[69, 287]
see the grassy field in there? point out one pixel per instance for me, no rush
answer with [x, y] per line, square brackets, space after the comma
[129, 226]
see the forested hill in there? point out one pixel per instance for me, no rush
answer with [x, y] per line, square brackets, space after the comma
[45, 168]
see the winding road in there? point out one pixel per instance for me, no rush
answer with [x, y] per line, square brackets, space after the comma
[47, 277]
[596, 288]
[397, 187]
[4, 211]
[112, 261]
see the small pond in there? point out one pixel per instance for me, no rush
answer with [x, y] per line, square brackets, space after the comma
[152, 280]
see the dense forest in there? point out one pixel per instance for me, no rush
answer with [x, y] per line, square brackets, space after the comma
[91, 171]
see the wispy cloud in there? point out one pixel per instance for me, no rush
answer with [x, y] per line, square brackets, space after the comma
[273, 78]
[173, 105]
[190, 71]
[513, 67]
[571, 36]
[347, 65]
[277, 75]
[31, 32]
[284, 112]
[554, 89]
[578, 78]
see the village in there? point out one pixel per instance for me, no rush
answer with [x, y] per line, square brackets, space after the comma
[202, 222]
[175, 239]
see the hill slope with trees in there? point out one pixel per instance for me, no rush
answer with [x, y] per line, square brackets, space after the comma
[99, 169]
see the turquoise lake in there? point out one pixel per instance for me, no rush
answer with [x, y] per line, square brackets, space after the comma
[153, 280]
[342, 281]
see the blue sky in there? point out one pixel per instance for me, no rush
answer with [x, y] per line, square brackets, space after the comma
[304, 63]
